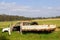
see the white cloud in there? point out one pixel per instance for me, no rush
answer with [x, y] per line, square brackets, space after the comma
[14, 9]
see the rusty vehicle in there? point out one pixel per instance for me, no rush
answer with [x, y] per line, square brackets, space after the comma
[31, 26]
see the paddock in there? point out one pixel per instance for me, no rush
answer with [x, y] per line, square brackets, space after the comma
[26, 26]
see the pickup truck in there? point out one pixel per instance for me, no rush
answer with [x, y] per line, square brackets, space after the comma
[31, 26]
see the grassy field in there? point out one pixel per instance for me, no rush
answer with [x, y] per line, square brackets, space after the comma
[31, 36]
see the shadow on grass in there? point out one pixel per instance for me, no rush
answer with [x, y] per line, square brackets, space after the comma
[58, 27]
[36, 32]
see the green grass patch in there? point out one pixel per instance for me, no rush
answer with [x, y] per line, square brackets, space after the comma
[30, 36]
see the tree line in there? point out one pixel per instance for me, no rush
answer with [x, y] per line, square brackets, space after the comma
[14, 18]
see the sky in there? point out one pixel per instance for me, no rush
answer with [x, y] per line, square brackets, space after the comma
[30, 8]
